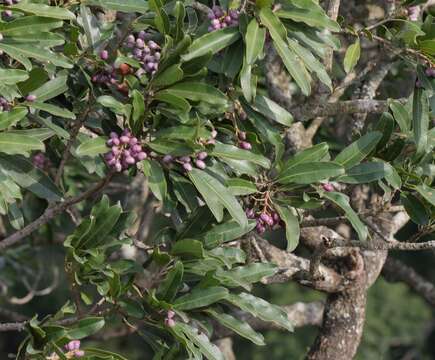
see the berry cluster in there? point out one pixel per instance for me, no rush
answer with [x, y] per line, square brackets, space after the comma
[73, 351]
[40, 161]
[243, 144]
[187, 161]
[105, 77]
[4, 104]
[264, 219]
[146, 52]
[220, 19]
[125, 151]
[169, 320]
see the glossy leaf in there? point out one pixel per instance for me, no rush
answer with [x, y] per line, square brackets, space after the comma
[254, 38]
[217, 196]
[19, 144]
[11, 118]
[200, 297]
[272, 110]
[233, 152]
[212, 42]
[420, 119]
[358, 150]
[342, 201]
[352, 56]
[307, 173]
[365, 173]
[93, 147]
[292, 229]
[27, 176]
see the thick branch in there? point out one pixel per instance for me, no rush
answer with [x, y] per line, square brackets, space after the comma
[50, 213]
[310, 110]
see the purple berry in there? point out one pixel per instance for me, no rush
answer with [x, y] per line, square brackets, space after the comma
[260, 228]
[202, 155]
[250, 214]
[242, 135]
[79, 353]
[167, 158]
[130, 160]
[245, 145]
[169, 322]
[170, 314]
[124, 139]
[139, 43]
[187, 166]
[142, 35]
[214, 134]
[185, 159]
[211, 15]
[104, 55]
[141, 156]
[200, 164]
[153, 45]
[328, 187]
[31, 97]
[265, 217]
[118, 166]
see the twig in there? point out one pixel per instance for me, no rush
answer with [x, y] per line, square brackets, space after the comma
[73, 135]
[50, 213]
[395, 270]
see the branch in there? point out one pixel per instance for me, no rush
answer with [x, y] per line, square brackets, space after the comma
[395, 270]
[382, 245]
[310, 110]
[50, 213]
[293, 267]
[332, 11]
[73, 135]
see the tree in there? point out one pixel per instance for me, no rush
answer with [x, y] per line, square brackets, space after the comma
[155, 155]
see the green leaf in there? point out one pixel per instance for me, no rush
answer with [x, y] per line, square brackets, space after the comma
[314, 153]
[401, 115]
[254, 272]
[188, 248]
[156, 178]
[415, 209]
[103, 354]
[261, 309]
[11, 118]
[19, 144]
[292, 229]
[138, 106]
[184, 191]
[241, 187]
[225, 232]
[41, 134]
[171, 283]
[254, 38]
[110, 102]
[365, 173]
[128, 6]
[342, 201]
[86, 327]
[427, 192]
[352, 56]
[311, 62]
[29, 24]
[92, 147]
[272, 110]
[43, 10]
[239, 327]
[233, 152]
[292, 62]
[210, 351]
[358, 150]
[90, 25]
[51, 89]
[307, 173]
[15, 216]
[52, 109]
[212, 42]
[385, 125]
[197, 91]
[40, 54]
[199, 297]
[27, 176]
[420, 119]
[314, 17]
[168, 76]
[12, 76]
[214, 193]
